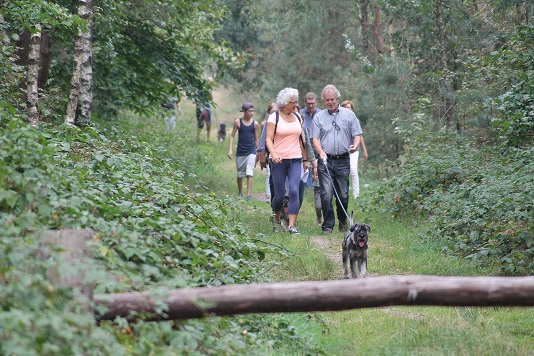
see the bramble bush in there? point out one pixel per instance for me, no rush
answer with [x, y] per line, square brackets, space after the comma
[151, 232]
[479, 200]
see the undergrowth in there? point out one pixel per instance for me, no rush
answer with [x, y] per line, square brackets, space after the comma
[152, 230]
[479, 200]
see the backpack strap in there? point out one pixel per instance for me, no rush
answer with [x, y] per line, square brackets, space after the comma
[276, 123]
[300, 121]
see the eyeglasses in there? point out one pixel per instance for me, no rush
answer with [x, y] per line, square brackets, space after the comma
[251, 110]
[293, 102]
[336, 126]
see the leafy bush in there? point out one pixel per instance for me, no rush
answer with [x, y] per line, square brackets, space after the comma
[479, 200]
[151, 231]
[511, 70]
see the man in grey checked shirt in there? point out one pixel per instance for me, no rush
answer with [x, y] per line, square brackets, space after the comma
[336, 133]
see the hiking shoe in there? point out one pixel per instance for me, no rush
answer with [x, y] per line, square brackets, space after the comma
[343, 227]
[327, 231]
[293, 230]
[249, 197]
[240, 195]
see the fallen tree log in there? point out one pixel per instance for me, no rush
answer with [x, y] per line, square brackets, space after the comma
[318, 296]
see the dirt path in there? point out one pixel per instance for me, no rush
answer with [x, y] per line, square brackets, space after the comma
[330, 248]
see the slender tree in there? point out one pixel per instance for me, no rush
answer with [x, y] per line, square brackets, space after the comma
[442, 44]
[364, 24]
[74, 93]
[32, 77]
[80, 95]
[86, 77]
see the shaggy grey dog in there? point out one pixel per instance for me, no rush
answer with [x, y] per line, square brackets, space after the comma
[355, 251]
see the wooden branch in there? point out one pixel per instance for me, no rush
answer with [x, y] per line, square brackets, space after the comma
[320, 296]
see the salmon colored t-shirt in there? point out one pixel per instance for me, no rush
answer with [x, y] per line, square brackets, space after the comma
[286, 137]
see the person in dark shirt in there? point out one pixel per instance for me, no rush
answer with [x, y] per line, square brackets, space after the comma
[247, 144]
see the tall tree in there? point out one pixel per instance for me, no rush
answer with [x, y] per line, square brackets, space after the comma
[442, 39]
[32, 77]
[86, 77]
[80, 97]
[364, 24]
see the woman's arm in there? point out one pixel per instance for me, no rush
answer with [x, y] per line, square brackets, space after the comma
[362, 143]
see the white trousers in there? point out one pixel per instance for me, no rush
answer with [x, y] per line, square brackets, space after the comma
[267, 178]
[354, 174]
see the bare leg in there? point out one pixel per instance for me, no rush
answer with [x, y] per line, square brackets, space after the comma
[249, 185]
[240, 185]
[292, 219]
[208, 130]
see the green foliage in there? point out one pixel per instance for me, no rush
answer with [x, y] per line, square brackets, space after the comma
[151, 231]
[144, 51]
[514, 67]
[11, 73]
[478, 200]
[27, 14]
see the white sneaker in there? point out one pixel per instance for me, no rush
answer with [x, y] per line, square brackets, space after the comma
[293, 230]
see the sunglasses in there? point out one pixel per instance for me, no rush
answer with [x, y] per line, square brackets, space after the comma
[336, 126]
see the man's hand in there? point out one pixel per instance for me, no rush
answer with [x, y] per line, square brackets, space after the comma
[262, 157]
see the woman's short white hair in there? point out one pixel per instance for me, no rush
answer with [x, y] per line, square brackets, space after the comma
[285, 95]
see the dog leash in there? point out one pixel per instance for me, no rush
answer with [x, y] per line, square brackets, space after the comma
[335, 191]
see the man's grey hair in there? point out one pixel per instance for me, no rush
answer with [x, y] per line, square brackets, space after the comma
[330, 88]
[310, 96]
[285, 95]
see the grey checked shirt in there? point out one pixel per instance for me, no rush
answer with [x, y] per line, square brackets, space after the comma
[336, 130]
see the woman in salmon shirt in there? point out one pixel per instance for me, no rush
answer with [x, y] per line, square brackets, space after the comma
[287, 154]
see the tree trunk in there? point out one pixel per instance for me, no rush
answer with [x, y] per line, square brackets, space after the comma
[32, 78]
[319, 296]
[86, 87]
[364, 23]
[389, 32]
[72, 105]
[81, 81]
[3, 32]
[377, 29]
[46, 59]
[76, 253]
[447, 90]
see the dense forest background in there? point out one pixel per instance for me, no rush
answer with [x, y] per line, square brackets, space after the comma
[444, 91]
